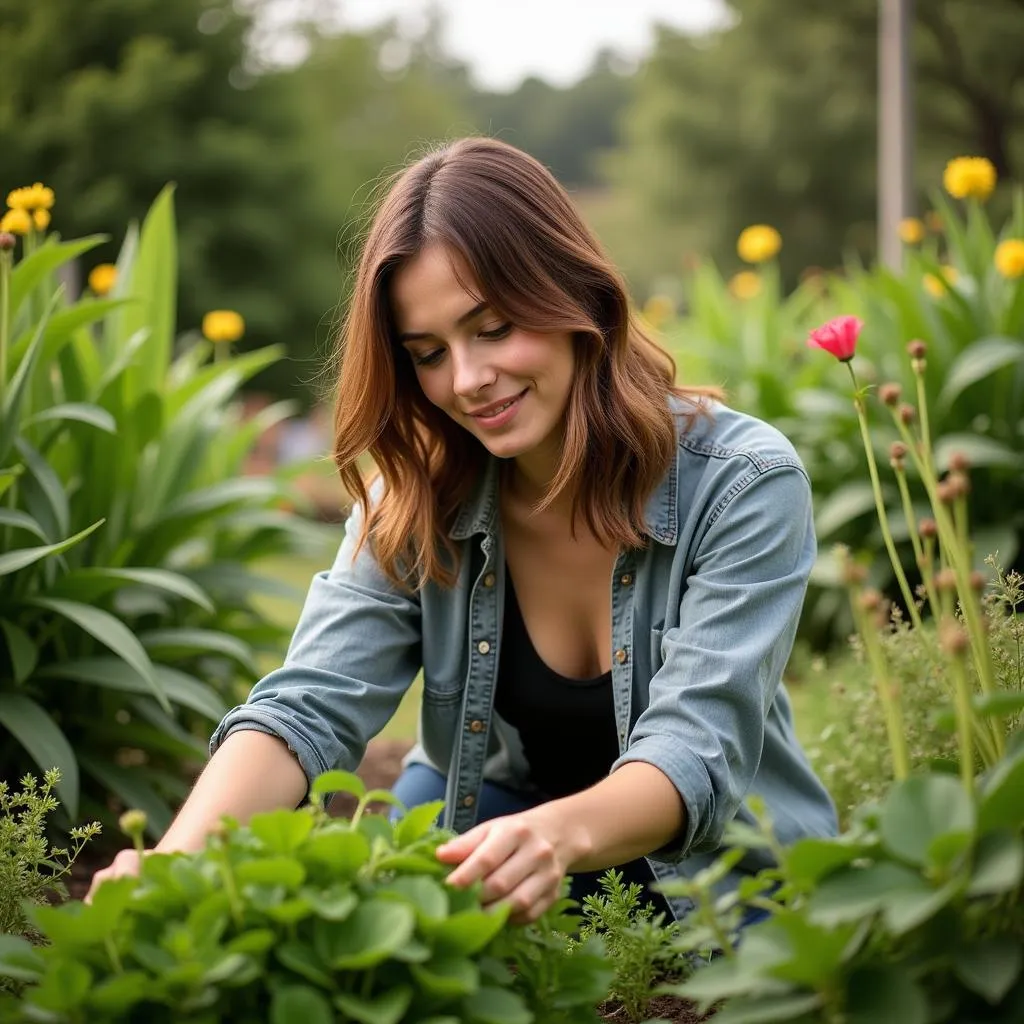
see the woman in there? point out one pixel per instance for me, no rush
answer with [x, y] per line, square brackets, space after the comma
[600, 574]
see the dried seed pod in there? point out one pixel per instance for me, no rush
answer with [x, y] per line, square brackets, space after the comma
[958, 462]
[889, 394]
[928, 528]
[917, 349]
[953, 637]
[946, 581]
[907, 414]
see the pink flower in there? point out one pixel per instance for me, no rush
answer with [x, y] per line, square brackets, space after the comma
[838, 336]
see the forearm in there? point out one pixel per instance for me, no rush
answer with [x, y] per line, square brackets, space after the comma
[633, 812]
[250, 772]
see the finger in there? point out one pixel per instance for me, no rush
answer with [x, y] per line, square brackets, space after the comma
[458, 849]
[498, 846]
[533, 896]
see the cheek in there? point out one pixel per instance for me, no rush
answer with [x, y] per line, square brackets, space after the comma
[433, 387]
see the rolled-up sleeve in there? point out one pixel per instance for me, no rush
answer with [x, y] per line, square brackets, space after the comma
[354, 653]
[704, 725]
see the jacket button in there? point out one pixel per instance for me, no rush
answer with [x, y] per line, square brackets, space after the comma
[489, 580]
[621, 655]
[483, 647]
[476, 725]
[468, 801]
[625, 579]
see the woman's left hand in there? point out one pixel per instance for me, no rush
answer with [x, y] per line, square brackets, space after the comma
[520, 858]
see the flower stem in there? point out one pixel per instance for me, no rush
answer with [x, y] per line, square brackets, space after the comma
[5, 315]
[921, 553]
[883, 518]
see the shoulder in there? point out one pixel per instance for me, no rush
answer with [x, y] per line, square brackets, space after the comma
[717, 434]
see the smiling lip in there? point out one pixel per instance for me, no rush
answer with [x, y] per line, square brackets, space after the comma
[489, 410]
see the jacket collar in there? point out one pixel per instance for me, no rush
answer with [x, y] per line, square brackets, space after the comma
[479, 513]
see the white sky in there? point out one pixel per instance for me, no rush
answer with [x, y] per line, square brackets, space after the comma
[504, 41]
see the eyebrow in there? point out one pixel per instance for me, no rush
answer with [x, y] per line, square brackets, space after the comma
[465, 318]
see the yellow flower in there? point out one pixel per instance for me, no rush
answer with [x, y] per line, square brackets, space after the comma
[1009, 258]
[969, 177]
[17, 221]
[911, 231]
[745, 285]
[758, 243]
[41, 219]
[223, 325]
[936, 286]
[102, 278]
[658, 310]
[32, 197]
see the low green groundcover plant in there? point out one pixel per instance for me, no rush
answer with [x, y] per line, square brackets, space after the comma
[301, 917]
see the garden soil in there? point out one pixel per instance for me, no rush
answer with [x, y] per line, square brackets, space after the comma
[379, 770]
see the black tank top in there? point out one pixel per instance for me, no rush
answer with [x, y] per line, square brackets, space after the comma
[567, 726]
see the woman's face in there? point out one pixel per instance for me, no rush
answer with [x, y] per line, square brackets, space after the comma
[507, 386]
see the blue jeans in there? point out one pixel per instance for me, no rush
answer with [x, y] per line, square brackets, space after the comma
[420, 784]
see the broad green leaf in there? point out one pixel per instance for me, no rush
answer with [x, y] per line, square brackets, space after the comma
[333, 904]
[11, 401]
[447, 977]
[63, 988]
[998, 864]
[298, 957]
[923, 811]
[337, 781]
[468, 931]
[281, 831]
[117, 995]
[852, 893]
[19, 520]
[112, 633]
[496, 1006]
[846, 503]
[81, 412]
[293, 1003]
[884, 995]
[52, 509]
[91, 582]
[426, 895]
[217, 496]
[417, 822]
[980, 451]
[271, 871]
[8, 474]
[367, 937]
[36, 731]
[115, 674]
[809, 860]
[909, 907]
[1002, 801]
[183, 643]
[19, 959]
[343, 851]
[153, 283]
[387, 1008]
[31, 271]
[23, 653]
[976, 362]
[989, 967]
[767, 1009]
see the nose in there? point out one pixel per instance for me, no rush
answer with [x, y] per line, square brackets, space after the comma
[471, 370]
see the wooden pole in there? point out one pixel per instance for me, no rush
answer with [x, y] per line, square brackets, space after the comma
[895, 127]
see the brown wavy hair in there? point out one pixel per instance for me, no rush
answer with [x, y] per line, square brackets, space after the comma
[536, 264]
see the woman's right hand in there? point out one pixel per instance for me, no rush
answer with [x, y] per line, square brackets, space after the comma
[127, 862]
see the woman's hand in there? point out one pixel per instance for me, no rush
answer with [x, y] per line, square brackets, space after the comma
[127, 862]
[520, 858]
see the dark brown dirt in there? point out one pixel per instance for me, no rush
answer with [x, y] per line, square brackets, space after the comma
[379, 770]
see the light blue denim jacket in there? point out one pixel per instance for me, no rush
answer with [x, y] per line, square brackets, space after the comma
[703, 620]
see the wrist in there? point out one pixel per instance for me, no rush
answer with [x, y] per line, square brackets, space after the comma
[566, 825]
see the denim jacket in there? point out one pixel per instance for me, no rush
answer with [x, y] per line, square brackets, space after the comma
[703, 620]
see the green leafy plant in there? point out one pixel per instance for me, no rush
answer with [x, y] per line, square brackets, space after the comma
[915, 913]
[131, 538]
[639, 944]
[30, 868]
[297, 916]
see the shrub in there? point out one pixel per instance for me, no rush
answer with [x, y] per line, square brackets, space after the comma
[129, 534]
[299, 916]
